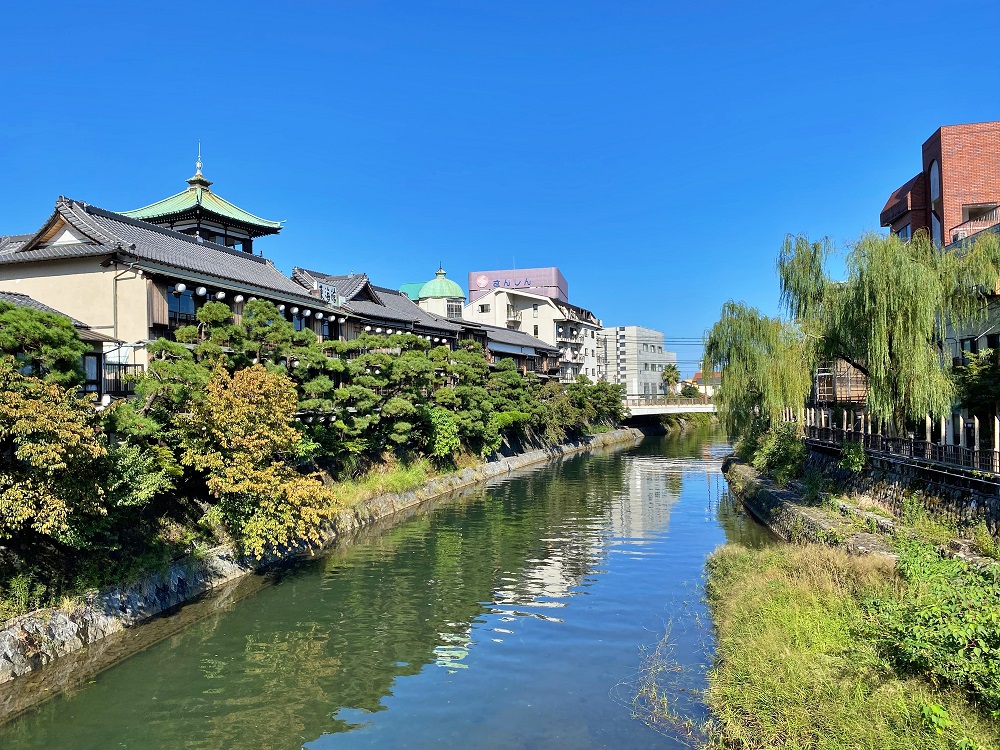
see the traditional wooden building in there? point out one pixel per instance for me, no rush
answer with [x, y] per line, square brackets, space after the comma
[206, 215]
[135, 281]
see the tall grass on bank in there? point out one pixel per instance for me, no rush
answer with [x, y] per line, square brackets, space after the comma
[801, 659]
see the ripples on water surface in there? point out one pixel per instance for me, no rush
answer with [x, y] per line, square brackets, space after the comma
[515, 618]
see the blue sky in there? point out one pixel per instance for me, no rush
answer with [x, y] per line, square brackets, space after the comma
[657, 152]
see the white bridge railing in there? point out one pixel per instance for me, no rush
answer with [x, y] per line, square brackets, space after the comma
[640, 405]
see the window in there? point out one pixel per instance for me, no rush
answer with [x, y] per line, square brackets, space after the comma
[180, 308]
[937, 234]
[904, 232]
[645, 365]
[484, 308]
[534, 311]
[454, 308]
[536, 332]
[645, 347]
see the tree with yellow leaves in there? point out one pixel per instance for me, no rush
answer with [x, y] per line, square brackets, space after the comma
[240, 434]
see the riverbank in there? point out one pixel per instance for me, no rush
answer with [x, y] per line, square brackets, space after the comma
[31, 641]
[803, 658]
[822, 644]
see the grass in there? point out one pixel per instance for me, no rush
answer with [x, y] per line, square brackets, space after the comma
[987, 544]
[389, 476]
[801, 661]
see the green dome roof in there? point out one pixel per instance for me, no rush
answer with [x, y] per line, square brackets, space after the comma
[440, 286]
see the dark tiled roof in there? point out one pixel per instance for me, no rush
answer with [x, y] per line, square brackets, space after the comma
[400, 304]
[23, 300]
[906, 197]
[110, 233]
[347, 286]
[12, 242]
[516, 338]
[390, 304]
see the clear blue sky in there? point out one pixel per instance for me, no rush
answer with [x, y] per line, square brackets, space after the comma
[657, 152]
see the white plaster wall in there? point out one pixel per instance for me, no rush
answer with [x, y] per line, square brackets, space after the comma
[82, 289]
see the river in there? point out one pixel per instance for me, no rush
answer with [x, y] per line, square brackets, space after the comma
[518, 616]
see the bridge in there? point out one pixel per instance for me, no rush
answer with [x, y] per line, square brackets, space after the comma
[648, 406]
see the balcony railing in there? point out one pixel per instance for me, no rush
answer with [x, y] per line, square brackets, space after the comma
[970, 227]
[119, 379]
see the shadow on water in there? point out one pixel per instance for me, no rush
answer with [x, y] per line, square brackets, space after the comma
[504, 618]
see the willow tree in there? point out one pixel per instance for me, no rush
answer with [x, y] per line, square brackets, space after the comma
[766, 366]
[888, 317]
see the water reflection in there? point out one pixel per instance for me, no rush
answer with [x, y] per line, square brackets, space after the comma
[501, 619]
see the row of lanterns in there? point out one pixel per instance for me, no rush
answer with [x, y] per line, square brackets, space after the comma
[390, 331]
[220, 296]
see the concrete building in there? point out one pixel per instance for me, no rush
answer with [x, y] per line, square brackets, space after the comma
[635, 357]
[571, 329]
[957, 191]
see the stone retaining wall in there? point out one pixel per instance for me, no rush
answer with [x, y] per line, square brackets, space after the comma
[960, 495]
[38, 638]
[784, 511]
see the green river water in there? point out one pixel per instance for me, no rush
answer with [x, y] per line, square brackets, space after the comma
[517, 616]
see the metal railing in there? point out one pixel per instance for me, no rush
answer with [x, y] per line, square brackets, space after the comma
[977, 459]
[978, 224]
[119, 379]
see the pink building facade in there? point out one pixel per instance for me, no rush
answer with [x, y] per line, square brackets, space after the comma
[545, 281]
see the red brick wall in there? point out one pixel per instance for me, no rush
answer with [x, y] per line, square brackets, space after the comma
[969, 158]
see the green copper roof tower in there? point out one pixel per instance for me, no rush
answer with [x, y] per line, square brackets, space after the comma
[207, 215]
[440, 287]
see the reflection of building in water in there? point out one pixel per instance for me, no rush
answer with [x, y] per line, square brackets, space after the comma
[653, 488]
[553, 576]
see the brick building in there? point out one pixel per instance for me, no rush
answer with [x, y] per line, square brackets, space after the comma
[957, 192]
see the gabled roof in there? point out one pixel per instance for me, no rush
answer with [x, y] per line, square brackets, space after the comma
[568, 311]
[199, 198]
[85, 332]
[353, 286]
[365, 300]
[107, 234]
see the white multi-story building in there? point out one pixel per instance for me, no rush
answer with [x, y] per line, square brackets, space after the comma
[573, 330]
[635, 357]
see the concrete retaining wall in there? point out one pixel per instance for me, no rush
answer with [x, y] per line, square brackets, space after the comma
[34, 640]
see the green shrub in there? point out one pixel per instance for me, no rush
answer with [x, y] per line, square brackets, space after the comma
[947, 623]
[780, 453]
[852, 456]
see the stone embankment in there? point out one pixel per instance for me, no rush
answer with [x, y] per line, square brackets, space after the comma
[38, 638]
[787, 512]
[844, 520]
